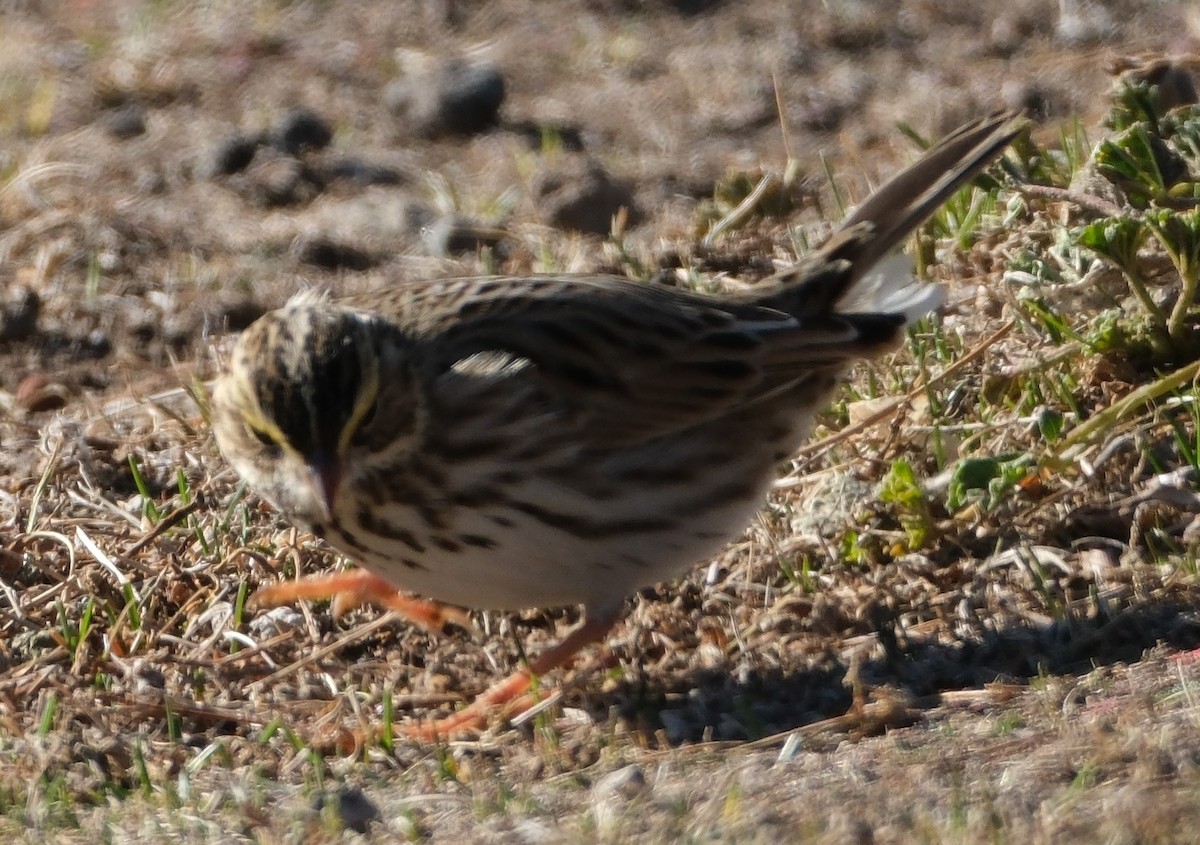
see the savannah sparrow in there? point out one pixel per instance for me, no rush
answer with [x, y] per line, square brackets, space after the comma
[504, 443]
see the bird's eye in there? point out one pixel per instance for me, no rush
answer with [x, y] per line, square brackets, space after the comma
[264, 439]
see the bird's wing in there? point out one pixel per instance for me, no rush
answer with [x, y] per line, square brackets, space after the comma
[644, 360]
[637, 360]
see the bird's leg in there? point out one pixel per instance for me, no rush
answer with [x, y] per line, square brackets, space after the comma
[358, 586]
[512, 695]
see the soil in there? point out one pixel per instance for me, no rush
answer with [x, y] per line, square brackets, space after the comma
[168, 172]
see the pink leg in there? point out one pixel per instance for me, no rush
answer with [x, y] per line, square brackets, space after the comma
[358, 586]
[511, 695]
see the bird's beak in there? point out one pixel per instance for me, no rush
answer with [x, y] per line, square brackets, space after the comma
[325, 477]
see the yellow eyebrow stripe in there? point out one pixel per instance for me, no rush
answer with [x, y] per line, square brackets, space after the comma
[253, 417]
[366, 398]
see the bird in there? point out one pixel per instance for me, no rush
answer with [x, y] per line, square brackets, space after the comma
[512, 442]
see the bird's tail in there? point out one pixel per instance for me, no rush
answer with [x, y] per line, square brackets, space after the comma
[855, 272]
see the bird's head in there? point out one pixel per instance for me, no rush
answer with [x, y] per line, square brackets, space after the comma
[314, 394]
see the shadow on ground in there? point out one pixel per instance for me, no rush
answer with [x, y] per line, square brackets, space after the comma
[761, 701]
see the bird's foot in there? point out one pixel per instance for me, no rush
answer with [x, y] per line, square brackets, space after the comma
[358, 586]
[515, 694]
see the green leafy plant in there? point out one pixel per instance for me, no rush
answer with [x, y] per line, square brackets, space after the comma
[901, 489]
[985, 481]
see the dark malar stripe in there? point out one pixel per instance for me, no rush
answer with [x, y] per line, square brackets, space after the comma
[347, 538]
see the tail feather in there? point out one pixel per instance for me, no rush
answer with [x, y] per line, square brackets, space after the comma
[851, 273]
[889, 288]
[920, 189]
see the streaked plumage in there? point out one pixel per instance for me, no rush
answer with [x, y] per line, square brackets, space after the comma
[509, 442]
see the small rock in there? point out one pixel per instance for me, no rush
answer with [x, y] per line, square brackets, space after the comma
[36, 394]
[363, 173]
[469, 97]
[19, 313]
[353, 807]
[235, 154]
[300, 130]
[627, 782]
[331, 255]
[1007, 34]
[582, 196]
[278, 181]
[236, 315]
[456, 98]
[126, 122]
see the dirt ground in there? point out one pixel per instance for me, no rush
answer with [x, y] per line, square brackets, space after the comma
[1004, 687]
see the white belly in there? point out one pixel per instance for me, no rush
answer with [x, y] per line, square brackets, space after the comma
[555, 548]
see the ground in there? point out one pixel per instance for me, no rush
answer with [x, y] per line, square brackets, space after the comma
[870, 662]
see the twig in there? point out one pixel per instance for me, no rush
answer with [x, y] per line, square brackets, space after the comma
[361, 632]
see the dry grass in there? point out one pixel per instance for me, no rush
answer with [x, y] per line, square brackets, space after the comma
[872, 662]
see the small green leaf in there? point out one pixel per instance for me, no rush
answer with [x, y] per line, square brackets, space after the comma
[1115, 238]
[1134, 102]
[985, 480]
[1050, 424]
[1141, 164]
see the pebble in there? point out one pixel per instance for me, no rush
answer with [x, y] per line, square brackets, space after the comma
[126, 122]
[458, 97]
[235, 154]
[580, 195]
[19, 313]
[275, 621]
[1083, 22]
[300, 130]
[353, 807]
[330, 255]
[36, 393]
[363, 173]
